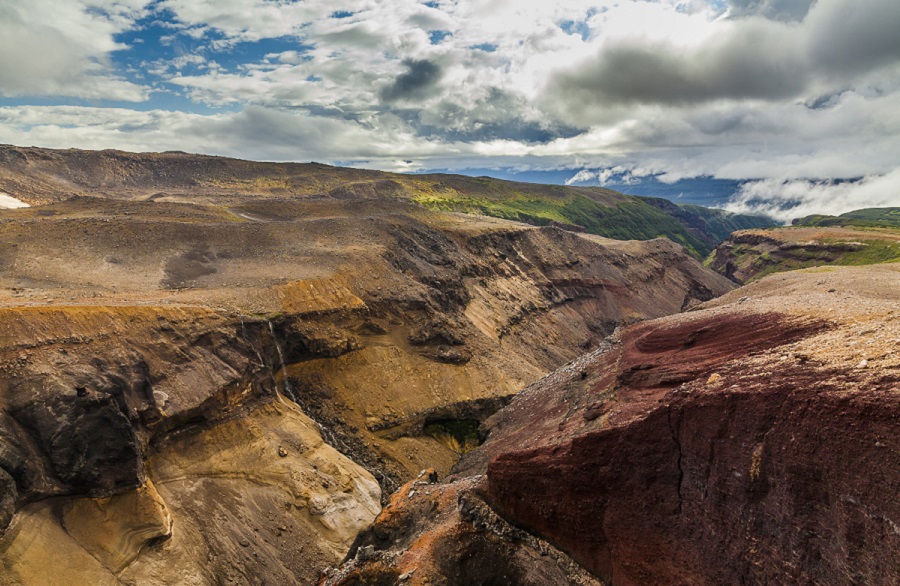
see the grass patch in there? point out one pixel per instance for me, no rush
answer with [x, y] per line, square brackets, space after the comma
[865, 218]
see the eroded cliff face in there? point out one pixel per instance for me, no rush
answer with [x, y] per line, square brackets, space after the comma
[168, 371]
[445, 534]
[157, 430]
[752, 441]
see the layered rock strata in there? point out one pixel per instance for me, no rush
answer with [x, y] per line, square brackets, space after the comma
[750, 254]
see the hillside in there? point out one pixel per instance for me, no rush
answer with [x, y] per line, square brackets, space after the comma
[866, 218]
[40, 176]
[720, 224]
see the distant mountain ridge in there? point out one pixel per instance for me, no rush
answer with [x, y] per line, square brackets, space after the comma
[864, 218]
[40, 176]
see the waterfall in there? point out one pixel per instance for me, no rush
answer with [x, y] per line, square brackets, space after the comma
[285, 382]
[259, 357]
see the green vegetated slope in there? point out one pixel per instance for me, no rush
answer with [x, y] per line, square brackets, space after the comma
[595, 210]
[865, 218]
[752, 254]
[720, 223]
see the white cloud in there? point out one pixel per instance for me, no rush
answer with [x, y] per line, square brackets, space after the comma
[622, 175]
[786, 200]
[62, 48]
[248, 20]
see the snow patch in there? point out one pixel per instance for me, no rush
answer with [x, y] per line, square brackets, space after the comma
[8, 202]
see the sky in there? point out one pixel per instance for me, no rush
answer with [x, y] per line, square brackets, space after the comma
[794, 104]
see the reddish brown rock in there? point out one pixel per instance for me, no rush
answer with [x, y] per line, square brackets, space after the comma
[741, 444]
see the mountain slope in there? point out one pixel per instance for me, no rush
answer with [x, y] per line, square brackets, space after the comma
[865, 218]
[38, 176]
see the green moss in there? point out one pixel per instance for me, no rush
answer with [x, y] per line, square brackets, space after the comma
[460, 435]
[872, 252]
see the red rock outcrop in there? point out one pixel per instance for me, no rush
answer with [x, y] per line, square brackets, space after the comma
[753, 442]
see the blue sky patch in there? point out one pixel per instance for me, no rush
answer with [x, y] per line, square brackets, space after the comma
[437, 36]
[579, 27]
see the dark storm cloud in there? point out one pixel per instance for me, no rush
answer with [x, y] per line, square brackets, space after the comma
[498, 115]
[784, 10]
[849, 37]
[838, 41]
[416, 82]
[514, 128]
[660, 74]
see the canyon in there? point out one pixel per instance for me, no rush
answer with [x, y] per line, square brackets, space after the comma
[218, 371]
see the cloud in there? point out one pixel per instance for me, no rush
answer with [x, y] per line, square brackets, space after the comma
[621, 175]
[856, 135]
[245, 20]
[254, 132]
[486, 114]
[354, 56]
[786, 200]
[661, 73]
[838, 42]
[418, 81]
[63, 48]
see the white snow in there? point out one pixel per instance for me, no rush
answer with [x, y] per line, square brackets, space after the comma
[9, 202]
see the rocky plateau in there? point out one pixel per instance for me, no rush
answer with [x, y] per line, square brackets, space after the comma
[751, 254]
